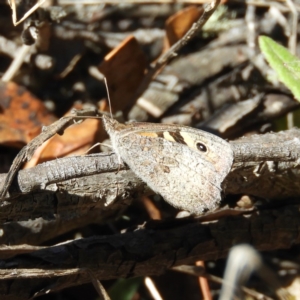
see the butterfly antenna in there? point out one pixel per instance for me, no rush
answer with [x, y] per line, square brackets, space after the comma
[107, 91]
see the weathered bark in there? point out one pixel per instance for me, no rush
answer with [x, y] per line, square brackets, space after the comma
[265, 166]
[148, 251]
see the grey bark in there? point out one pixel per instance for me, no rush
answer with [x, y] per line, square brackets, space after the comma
[151, 250]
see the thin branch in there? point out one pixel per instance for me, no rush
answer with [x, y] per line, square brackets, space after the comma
[27, 14]
[173, 51]
[27, 152]
[16, 63]
[293, 32]
[292, 45]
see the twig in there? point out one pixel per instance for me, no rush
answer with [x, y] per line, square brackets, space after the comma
[293, 35]
[152, 289]
[12, 4]
[173, 51]
[251, 26]
[292, 45]
[16, 63]
[98, 286]
[203, 282]
[26, 153]
[10, 48]
[199, 271]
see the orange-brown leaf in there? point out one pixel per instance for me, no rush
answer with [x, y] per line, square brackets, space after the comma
[22, 115]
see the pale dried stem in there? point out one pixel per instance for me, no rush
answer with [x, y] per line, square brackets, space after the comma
[16, 63]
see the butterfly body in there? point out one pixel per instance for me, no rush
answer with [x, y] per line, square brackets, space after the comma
[184, 165]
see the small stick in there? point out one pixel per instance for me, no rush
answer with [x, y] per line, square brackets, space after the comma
[203, 282]
[16, 63]
[107, 91]
[12, 4]
[173, 51]
[292, 44]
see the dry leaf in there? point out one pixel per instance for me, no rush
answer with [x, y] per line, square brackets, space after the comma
[124, 69]
[22, 115]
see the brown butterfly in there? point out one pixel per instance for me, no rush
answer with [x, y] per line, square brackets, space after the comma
[186, 166]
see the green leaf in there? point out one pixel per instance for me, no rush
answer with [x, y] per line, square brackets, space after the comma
[125, 289]
[283, 62]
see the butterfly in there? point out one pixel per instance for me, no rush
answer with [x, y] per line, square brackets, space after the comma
[186, 166]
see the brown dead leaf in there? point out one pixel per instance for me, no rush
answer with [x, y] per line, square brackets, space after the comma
[22, 115]
[179, 23]
[76, 140]
[124, 69]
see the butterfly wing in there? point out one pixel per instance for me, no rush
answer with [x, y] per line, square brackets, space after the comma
[186, 177]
